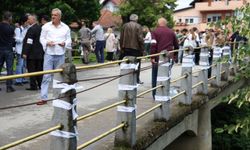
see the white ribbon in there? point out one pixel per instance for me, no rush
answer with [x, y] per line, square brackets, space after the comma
[204, 54]
[65, 105]
[65, 87]
[125, 109]
[204, 63]
[124, 87]
[129, 66]
[187, 64]
[162, 98]
[167, 64]
[65, 134]
[160, 79]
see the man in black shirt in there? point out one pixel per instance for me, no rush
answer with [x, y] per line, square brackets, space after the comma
[6, 44]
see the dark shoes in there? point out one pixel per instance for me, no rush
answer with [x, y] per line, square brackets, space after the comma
[140, 82]
[41, 102]
[18, 84]
[10, 89]
[31, 89]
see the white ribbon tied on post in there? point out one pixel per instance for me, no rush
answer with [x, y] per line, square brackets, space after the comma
[125, 87]
[65, 105]
[65, 134]
[162, 98]
[129, 66]
[125, 109]
[161, 79]
[65, 87]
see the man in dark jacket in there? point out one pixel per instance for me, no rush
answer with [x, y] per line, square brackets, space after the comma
[163, 38]
[131, 41]
[33, 52]
[6, 50]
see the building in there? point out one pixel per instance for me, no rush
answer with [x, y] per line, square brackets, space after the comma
[108, 17]
[201, 12]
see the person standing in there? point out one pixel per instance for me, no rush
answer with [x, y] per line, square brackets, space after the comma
[33, 52]
[6, 47]
[85, 36]
[131, 41]
[20, 33]
[110, 44]
[100, 41]
[147, 40]
[55, 38]
[163, 38]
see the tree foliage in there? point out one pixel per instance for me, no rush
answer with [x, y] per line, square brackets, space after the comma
[72, 9]
[232, 126]
[148, 10]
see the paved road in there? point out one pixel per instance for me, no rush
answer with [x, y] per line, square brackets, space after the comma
[21, 122]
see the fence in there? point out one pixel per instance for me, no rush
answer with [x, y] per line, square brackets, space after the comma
[65, 118]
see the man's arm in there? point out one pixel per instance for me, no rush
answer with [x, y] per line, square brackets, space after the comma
[27, 43]
[68, 40]
[43, 39]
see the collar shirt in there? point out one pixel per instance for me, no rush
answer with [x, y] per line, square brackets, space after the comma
[99, 33]
[58, 34]
[148, 38]
[19, 36]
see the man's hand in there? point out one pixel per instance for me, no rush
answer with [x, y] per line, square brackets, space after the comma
[62, 44]
[153, 61]
[24, 56]
[50, 43]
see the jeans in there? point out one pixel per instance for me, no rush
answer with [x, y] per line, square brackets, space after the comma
[20, 68]
[50, 62]
[99, 51]
[7, 55]
[154, 77]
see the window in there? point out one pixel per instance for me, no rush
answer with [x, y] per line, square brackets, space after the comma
[191, 20]
[213, 17]
[209, 19]
[186, 20]
[180, 20]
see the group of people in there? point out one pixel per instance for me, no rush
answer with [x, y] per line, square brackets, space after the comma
[42, 46]
[39, 46]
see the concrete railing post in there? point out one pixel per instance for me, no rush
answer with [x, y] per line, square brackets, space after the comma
[203, 76]
[163, 93]
[186, 84]
[127, 113]
[216, 70]
[64, 109]
[204, 58]
[225, 67]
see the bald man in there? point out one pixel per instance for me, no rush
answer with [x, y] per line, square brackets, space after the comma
[163, 38]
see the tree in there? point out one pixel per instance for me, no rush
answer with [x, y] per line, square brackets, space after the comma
[72, 9]
[148, 10]
[233, 123]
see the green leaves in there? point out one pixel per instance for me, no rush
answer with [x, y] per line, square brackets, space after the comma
[72, 10]
[149, 10]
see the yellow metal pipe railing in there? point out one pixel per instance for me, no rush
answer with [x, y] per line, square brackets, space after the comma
[30, 137]
[101, 136]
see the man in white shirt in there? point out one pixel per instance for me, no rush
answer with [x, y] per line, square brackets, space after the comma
[55, 38]
[20, 33]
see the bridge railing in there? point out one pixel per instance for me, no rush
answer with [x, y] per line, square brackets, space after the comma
[65, 117]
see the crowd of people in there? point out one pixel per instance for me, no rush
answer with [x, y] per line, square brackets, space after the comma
[41, 46]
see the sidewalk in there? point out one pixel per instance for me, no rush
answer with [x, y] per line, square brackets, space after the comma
[28, 120]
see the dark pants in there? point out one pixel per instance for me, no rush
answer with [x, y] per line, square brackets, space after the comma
[155, 74]
[34, 65]
[210, 60]
[135, 53]
[110, 56]
[197, 56]
[7, 55]
[154, 77]
[99, 51]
